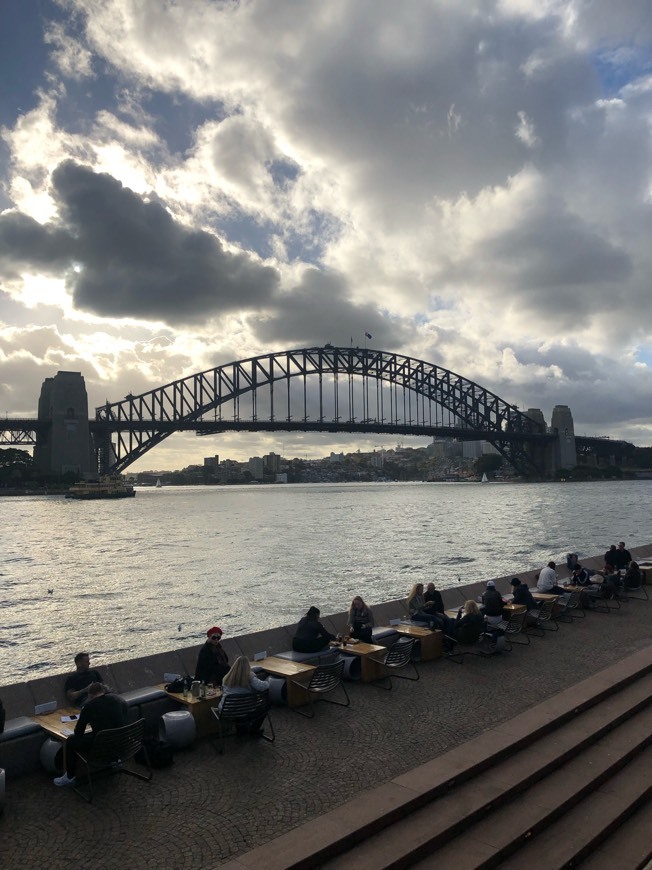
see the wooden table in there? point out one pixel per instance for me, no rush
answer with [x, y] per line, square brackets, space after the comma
[544, 596]
[51, 723]
[508, 610]
[429, 639]
[200, 709]
[368, 653]
[296, 674]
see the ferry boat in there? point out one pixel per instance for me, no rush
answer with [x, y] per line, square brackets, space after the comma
[105, 487]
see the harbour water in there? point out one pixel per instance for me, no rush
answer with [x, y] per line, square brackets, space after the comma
[143, 575]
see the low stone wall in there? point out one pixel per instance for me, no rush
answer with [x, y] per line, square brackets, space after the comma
[136, 679]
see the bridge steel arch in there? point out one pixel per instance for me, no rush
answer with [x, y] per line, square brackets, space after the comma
[393, 393]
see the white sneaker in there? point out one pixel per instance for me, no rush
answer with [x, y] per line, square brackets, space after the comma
[65, 780]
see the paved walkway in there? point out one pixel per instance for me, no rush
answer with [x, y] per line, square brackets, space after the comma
[207, 808]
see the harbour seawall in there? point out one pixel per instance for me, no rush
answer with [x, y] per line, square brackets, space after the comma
[133, 676]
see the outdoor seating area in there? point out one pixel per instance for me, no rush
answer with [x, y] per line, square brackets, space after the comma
[32, 742]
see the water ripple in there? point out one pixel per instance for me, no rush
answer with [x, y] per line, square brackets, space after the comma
[249, 558]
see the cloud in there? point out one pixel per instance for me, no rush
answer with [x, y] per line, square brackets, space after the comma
[130, 257]
[468, 182]
[319, 310]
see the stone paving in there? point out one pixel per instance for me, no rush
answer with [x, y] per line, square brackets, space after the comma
[207, 808]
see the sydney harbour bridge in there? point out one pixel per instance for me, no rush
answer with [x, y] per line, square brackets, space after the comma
[318, 389]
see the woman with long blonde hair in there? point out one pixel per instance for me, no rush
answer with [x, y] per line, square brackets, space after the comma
[241, 680]
[468, 626]
[361, 619]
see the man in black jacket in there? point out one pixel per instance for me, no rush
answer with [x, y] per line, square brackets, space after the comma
[493, 603]
[623, 557]
[102, 710]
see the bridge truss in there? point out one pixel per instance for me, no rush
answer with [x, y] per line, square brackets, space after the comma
[319, 389]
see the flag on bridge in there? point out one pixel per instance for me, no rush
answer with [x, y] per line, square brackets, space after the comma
[368, 335]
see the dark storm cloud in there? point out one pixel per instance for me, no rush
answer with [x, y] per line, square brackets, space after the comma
[319, 310]
[132, 258]
[25, 243]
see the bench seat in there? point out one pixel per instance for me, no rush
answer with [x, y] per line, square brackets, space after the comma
[19, 727]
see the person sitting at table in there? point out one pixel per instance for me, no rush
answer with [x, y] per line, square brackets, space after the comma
[633, 577]
[611, 558]
[361, 620]
[467, 627]
[212, 661]
[612, 585]
[493, 604]
[433, 596]
[102, 710]
[522, 595]
[77, 683]
[580, 576]
[311, 636]
[547, 582]
[241, 680]
[623, 556]
[421, 610]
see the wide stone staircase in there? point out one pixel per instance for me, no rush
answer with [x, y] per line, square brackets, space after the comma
[568, 783]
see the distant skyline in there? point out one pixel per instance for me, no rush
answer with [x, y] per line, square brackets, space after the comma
[186, 184]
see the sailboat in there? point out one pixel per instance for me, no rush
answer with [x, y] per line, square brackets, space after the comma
[158, 483]
[485, 479]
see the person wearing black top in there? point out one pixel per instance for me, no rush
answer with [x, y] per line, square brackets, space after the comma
[633, 577]
[611, 557]
[77, 684]
[522, 594]
[212, 661]
[581, 576]
[468, 626]
[433, 596]
[493, 603]
[102, 710]
[311, 636]
[623, 557]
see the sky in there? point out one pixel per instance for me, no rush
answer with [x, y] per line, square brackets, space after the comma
[184, 183]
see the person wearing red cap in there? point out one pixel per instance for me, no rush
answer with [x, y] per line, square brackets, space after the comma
[212, 662]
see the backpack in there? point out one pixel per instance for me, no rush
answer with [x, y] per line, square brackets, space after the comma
[159, 752]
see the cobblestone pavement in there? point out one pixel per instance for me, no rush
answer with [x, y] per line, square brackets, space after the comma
[208, 808]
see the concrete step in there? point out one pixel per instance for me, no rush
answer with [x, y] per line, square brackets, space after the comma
[583, 828]
[556, 771]
[455, 789]
[630, 846]
[578, 832]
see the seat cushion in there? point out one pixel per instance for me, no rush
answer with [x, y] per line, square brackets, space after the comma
[134, 697]
[18, 727]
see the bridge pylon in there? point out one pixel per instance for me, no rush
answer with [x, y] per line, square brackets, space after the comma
[564, 450]
[66, 444]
